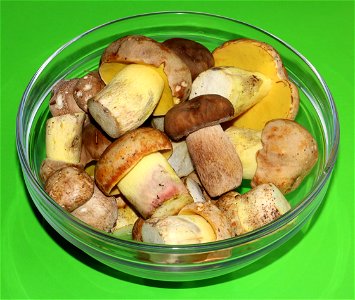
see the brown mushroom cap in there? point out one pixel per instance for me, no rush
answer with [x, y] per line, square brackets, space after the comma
[94, 141]
[70, 187]
[197, 113]
[100, 211]
[49, 166]
[62, 101]
[143, 50]
[86, 88]
[289, 153]
[196, 56]
[125, 152]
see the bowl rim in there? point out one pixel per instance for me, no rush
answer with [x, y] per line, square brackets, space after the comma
[188, 249]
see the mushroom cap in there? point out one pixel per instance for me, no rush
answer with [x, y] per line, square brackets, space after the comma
[62, 101]
[143, 50]
[70, 187]
[288, 155]
[125, 152]
[100, 211]
[196, 56]
[199, 112]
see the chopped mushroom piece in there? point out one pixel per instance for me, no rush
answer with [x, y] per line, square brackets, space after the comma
[288, 155]
[212, 153]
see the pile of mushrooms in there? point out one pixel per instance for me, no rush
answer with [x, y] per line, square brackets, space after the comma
[158, 139]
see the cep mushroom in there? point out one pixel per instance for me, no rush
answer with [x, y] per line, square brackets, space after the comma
[70, 187]
[99, 211]
[196, 56]
[288, 155]
[214, 156]
[254, 209]
[128, 100]
[143, 175]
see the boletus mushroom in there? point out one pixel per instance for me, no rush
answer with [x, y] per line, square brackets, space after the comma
[214, 156]
[143, 175]
[288, 155]
[254, 209]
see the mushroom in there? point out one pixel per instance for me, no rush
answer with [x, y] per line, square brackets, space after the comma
[213, 155]
[254, 209]
[282, 100]
[247, 143]
[196, 56]
[94, 143]
[64, 137]
[49, 166]
[242, 88]
[143, 175]
[288, 155]
[177, 230]
[139, 49]
[86, 88]
[99, 211]
[179, 159]
[62, 101]
[213, 215]
[128, 100]
[70, 187]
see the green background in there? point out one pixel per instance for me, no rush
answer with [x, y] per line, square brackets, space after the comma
[37, 263]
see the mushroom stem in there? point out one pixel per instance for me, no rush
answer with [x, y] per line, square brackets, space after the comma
[215, 159]
[151, 183]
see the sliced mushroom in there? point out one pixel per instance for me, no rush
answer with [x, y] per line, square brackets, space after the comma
[212, 153]
[288, 155]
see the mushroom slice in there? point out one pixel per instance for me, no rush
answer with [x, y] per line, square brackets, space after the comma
[288, 155]
[242, 88]
[196, 56]
[212, 153]
[128, 100]
[212, 215]
[70, 187]
[99, 211]
[143, 175]
[254, 209]
[143, 50]
[64, 137]
[282, 101]
[247, 143]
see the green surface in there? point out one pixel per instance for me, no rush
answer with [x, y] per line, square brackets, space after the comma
[37, 263]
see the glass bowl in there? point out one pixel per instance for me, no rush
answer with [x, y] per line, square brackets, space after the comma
[188, 262]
